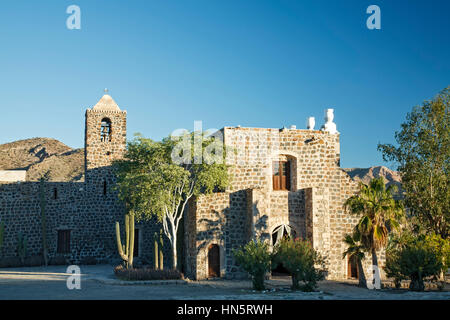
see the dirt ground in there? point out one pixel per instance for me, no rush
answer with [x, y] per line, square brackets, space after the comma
[98, 282]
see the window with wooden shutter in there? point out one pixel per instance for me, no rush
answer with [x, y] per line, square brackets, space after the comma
[63, 245]
[281, 175]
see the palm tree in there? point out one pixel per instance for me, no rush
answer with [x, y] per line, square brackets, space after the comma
[355, 250]
[380, 214]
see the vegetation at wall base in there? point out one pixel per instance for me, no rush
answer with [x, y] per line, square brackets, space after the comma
[417, 258]
[126, 251]
[145, 273]
[255, 258]
[303, 262]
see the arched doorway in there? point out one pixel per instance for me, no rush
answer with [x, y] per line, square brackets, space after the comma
[213, 261]
[280, 232]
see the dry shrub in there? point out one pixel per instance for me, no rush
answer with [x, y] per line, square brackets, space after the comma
[135, 274]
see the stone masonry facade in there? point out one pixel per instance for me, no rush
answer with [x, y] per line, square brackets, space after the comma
[250, 208]
[86, 210]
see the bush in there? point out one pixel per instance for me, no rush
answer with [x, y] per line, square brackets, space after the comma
[255, 258]
[392, 268]
[416, 260]
[136, 274]
[300, 259]
[441, 247]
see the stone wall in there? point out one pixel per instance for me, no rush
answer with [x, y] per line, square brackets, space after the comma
[88, 209]
[219, 218]
[313, 207]
[90, 217]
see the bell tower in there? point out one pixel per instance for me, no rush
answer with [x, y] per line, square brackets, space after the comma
[104, 142]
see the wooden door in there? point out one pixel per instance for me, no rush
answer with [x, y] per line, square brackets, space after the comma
[352, 268]
[213, 261]
[63, 245]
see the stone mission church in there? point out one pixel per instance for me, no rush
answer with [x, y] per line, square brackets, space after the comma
[284, 182]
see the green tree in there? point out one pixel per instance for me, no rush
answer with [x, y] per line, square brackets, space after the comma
[355, 250]
[255, 258]
[416, 259]
[423, 157]
[380, 214]
[157, 179]
[441, 247]
[300, 259]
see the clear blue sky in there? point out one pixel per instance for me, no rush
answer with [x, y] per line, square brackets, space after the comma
[248, 62]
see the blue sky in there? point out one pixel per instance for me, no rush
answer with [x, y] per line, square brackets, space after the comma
[250, 62]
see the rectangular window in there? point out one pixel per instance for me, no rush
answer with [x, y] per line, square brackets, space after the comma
[63, 241]
[281, 175]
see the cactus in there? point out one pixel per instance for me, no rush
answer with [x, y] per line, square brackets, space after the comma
[158, 252]
[21, 246]
[160, 247]
[126, 251]
[2, 236]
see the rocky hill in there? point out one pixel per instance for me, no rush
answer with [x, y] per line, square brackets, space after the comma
[366, 174]
[41, 155]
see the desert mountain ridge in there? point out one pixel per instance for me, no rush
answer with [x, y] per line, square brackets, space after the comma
[366, 174]
[40, 155]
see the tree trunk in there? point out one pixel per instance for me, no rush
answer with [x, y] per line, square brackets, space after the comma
[295, 285]
[258, 282]
[361, 275]
[417, 284]
[131, 248]
[174, 251]
[374, 258]
[172, 235]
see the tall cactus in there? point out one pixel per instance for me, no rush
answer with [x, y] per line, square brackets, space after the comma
[160, 247]
[126, 251]
[158, 250]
